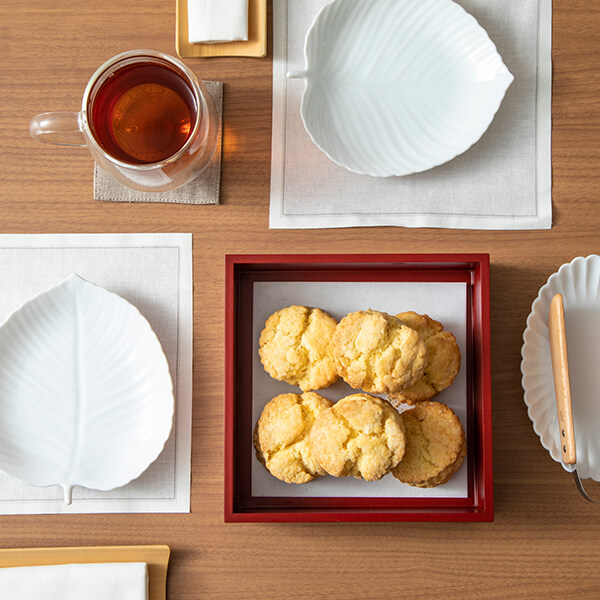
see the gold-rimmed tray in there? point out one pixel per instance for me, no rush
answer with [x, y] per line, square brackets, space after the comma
[255, 46]
[156, 557]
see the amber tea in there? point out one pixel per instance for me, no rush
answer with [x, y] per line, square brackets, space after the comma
[143, 113]
[145, 117]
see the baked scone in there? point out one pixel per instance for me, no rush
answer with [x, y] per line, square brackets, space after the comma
[281, 436]
[377, 353]
[435, 445]
[360, 435]
[294, 347]
[444, 359]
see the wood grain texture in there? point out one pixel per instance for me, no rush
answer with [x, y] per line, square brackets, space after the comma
[48, 50]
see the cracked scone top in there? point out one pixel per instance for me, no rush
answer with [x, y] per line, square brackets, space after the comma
[443, 354]
[435, 445]
[281, 436]
[377, 353]
[295, 347]
[360, 435]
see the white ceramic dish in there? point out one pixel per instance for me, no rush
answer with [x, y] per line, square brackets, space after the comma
[86, 397]
[395, 87]
[579, 283]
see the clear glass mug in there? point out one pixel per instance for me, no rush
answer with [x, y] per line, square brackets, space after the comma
[131, 150]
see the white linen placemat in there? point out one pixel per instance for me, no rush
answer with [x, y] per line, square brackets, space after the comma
[502, 182]
[154, 273]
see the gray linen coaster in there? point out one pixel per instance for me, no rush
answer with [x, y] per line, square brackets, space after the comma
[203, 190]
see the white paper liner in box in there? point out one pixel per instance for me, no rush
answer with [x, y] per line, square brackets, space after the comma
[445, 302]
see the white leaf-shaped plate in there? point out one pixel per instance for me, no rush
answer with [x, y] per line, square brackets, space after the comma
[579, 283]
[86, 397]
[398, 86]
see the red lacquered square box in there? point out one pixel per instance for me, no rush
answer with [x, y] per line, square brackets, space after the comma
[242, 273]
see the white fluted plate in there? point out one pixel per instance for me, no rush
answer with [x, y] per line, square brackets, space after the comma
[86, 397]
[579, 283]
[394, 87]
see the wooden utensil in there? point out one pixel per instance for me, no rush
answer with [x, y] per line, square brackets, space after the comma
[557, 334]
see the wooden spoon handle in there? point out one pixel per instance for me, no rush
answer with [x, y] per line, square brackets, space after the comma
[557, 334]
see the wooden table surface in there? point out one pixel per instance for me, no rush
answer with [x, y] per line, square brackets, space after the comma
[545, 540]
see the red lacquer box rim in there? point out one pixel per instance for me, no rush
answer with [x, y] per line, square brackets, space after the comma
[243, 270]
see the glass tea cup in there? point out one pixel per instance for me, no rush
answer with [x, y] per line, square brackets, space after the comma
[146, 119]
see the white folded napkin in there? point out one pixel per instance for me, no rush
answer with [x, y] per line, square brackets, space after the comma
[96, 581]
[212, 21]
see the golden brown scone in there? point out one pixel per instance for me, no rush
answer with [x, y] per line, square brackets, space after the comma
[376, 352]
[424, 324]
[281, 436]
[294, 347]
[444, 359]
[435, 445]
[360, 435]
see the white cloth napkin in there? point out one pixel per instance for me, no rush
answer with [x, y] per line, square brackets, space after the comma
[502, 182]
[96, 581]
[212, 21]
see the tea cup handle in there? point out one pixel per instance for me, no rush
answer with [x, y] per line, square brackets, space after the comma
[63, 128]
